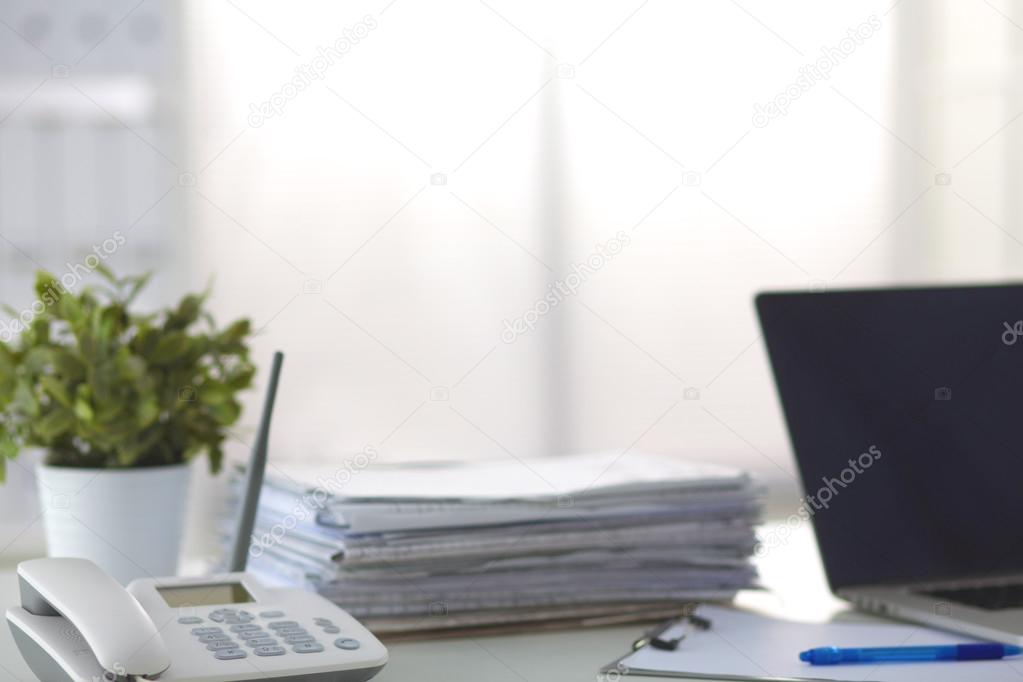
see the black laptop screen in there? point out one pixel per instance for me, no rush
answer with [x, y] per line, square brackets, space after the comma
[905, 410]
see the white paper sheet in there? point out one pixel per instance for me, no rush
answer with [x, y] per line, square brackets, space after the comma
[741, 643]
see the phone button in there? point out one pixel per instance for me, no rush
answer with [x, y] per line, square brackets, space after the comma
[269, 650]
[283, 624]
[245, 628]
[222, 644]
[215, 637]
[190, 620]
[331, 629]
[261, 641]
[299, 639]
[254, 634]
[347, 643]
[206, 631]
[271, 614]
[230, 654]
[307, 648]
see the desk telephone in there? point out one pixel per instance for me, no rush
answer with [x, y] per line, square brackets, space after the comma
[78, 624]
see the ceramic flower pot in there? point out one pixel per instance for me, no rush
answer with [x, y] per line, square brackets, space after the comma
[128, 521]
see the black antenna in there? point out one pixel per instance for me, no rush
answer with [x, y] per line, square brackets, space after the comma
[254, 477]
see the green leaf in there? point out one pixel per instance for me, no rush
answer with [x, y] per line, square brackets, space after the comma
[215, 393]
[83, 411]
[54, 424]
[147, 412]
[8, 446]
[106, 274]
[46, 285]
[54, 388]
[170, 347]
[25, 400]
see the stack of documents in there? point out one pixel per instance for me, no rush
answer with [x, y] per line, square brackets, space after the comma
[447, 545]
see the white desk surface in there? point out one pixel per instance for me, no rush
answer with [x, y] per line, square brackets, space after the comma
[792, 573]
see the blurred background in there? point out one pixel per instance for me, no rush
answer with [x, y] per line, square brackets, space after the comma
[483, 228]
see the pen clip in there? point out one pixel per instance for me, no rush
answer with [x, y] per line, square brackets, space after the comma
[656, 639]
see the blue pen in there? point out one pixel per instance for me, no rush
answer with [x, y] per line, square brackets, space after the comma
[832, 655]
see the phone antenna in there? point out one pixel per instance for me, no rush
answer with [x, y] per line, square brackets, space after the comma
[254, 476]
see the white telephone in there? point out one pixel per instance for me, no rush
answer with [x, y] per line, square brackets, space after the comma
[77, 624]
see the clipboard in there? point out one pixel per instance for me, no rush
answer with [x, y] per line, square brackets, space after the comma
[668, 637]
[741, 646]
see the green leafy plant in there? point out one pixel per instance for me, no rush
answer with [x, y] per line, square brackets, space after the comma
[98, 385]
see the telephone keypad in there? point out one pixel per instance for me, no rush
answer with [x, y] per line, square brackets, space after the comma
[227, 646]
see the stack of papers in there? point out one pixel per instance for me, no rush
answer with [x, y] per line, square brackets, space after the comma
[447, 545]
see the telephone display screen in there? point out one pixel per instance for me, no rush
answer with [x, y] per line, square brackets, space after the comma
[205, 595]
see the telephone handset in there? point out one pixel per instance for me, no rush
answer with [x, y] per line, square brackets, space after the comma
[112, 623]
[77, 624]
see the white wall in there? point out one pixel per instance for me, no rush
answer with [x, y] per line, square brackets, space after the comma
[556, 126]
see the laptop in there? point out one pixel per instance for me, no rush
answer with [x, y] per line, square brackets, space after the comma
[905, 412]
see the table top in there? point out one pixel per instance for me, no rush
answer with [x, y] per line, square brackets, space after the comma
[791, 571]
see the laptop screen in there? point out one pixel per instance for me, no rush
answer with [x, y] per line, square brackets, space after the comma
[905, 410]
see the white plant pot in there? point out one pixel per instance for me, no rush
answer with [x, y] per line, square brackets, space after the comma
[128, 521]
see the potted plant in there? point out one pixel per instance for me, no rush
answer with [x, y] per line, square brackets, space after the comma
[120, 402]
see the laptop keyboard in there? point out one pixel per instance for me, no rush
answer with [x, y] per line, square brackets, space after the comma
[991, 598]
